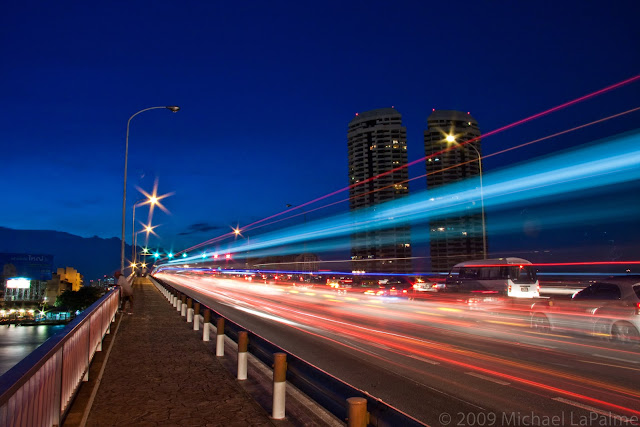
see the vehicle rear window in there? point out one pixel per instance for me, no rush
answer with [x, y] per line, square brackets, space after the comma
[599, 291]
[523, 274]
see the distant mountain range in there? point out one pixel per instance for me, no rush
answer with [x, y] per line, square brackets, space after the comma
[92, 257]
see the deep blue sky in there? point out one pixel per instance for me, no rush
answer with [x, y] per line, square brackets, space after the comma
[267, 90]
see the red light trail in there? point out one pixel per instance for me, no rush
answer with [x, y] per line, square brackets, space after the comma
[254, 225]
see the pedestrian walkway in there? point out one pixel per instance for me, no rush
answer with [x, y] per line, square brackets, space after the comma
[160, 373]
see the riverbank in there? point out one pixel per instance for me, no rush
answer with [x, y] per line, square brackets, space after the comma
[31, 322]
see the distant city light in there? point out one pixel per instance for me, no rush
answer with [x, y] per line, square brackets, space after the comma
[19, 283]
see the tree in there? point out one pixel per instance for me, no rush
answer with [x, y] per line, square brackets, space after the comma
[78, 300]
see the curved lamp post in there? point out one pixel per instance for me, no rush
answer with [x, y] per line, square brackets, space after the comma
[452, 139]
[172, 108]
[148, 201]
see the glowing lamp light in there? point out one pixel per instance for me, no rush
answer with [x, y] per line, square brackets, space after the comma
[170, 255]
[184, 255]
[156, 255]
[204, 255]
[215, 256]
[450, 138]
[227, 256]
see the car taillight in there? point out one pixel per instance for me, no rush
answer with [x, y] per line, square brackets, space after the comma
[404, 291]
[416, 286]
[638, 308]
[509, 288]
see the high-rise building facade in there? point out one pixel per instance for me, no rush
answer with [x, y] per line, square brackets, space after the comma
[377, 143]
[461, 237]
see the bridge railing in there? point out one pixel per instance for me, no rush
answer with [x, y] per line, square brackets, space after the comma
[40, 388]
[325, 389]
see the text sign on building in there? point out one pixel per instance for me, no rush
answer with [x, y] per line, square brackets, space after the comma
[18, 283]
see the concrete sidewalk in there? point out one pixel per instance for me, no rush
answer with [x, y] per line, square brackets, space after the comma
[160, 373]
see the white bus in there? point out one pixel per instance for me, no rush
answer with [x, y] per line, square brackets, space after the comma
[514, 277]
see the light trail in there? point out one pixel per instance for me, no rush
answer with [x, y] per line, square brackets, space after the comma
[530, 118]
[567, 174]
[499, 368]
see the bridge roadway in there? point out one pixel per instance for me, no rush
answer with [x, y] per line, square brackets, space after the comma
[159, 372]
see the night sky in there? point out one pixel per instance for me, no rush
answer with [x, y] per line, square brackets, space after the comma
[266, 91]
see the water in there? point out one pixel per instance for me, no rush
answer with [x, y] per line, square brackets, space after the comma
[16, 342]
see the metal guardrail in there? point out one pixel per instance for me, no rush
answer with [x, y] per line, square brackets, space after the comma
[325, 389]
[38, 391]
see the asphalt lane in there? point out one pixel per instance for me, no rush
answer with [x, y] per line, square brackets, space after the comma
[433, 359]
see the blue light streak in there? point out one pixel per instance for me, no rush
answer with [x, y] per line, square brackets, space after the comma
[569, 174]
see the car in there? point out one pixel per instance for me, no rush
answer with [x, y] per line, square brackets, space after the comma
[340, 284]
[608, 308]
[394, 287]
[428, 285]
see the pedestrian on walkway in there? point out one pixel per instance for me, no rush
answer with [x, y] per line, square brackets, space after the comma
[126, 291]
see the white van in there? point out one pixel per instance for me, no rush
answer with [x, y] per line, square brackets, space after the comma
[514, 277]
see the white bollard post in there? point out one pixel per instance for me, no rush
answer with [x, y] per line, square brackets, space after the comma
[196, 316]
[196, 322]
[220, 338]
[206, 326]
[243, 343]
[279, 385]
[178, 305]
[183, 310]
[190, 315]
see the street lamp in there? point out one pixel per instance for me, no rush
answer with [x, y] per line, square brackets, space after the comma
[149, 201]
[452, 139]
[172, 108]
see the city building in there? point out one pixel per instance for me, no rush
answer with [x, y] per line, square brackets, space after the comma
[24, 276]
[65, 279]
[70, 276]
[377, 143]
[460, 237]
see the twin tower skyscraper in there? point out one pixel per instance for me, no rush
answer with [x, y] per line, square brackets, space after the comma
[377, 144]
